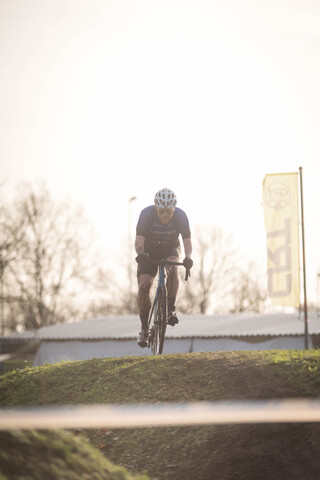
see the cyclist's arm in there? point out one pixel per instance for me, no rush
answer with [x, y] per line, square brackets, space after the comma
[187, 247]
[139, 244]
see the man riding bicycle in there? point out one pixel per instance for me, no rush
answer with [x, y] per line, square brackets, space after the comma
[157, 237]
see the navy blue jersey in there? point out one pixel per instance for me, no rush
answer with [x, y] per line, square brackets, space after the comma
[161, 238]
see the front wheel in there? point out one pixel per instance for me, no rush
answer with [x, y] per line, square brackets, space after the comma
[160, 323]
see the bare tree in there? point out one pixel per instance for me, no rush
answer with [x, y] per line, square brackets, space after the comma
[112, 294]
[222, 280]
[11, 237]
[55, 264]
[248, 294]
[123, 288]
[214, 262]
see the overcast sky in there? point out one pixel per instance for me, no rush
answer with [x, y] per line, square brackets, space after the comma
[106, 100]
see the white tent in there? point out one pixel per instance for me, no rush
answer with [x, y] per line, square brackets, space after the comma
[116, 336]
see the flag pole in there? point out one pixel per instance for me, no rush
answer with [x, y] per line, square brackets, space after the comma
[306, 334]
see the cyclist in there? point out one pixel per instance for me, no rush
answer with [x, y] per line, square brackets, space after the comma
[157, 237]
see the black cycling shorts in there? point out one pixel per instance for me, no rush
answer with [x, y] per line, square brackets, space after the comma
[152, 268]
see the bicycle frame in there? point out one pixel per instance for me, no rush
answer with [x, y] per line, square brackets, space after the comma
[159, 311]
[161, 283]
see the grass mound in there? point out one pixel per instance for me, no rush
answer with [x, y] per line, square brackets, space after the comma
[35, 455]
[204, 452]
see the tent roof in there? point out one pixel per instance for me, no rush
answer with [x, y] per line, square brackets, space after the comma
[190, 326]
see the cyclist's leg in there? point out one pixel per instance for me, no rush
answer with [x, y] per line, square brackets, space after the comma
[172, 278]
[143, 298]
[172, 274]
[173, 287]
[145, 274]
[144, 305]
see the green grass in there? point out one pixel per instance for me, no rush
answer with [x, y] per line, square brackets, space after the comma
[15, 364]
[37, 455]
[202, 452]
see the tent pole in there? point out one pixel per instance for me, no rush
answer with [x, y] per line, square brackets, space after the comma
[306, 334]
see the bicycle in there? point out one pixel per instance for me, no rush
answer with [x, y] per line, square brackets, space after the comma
[159, 311]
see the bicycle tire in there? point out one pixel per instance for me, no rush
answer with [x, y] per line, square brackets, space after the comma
[152, 330]
[155, 331]
[161, 320]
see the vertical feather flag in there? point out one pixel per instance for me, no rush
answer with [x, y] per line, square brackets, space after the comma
[281, 216]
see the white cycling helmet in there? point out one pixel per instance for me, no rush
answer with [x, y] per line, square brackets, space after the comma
[165, 198]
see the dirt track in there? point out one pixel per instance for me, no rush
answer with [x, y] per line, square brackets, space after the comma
[231, 452]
